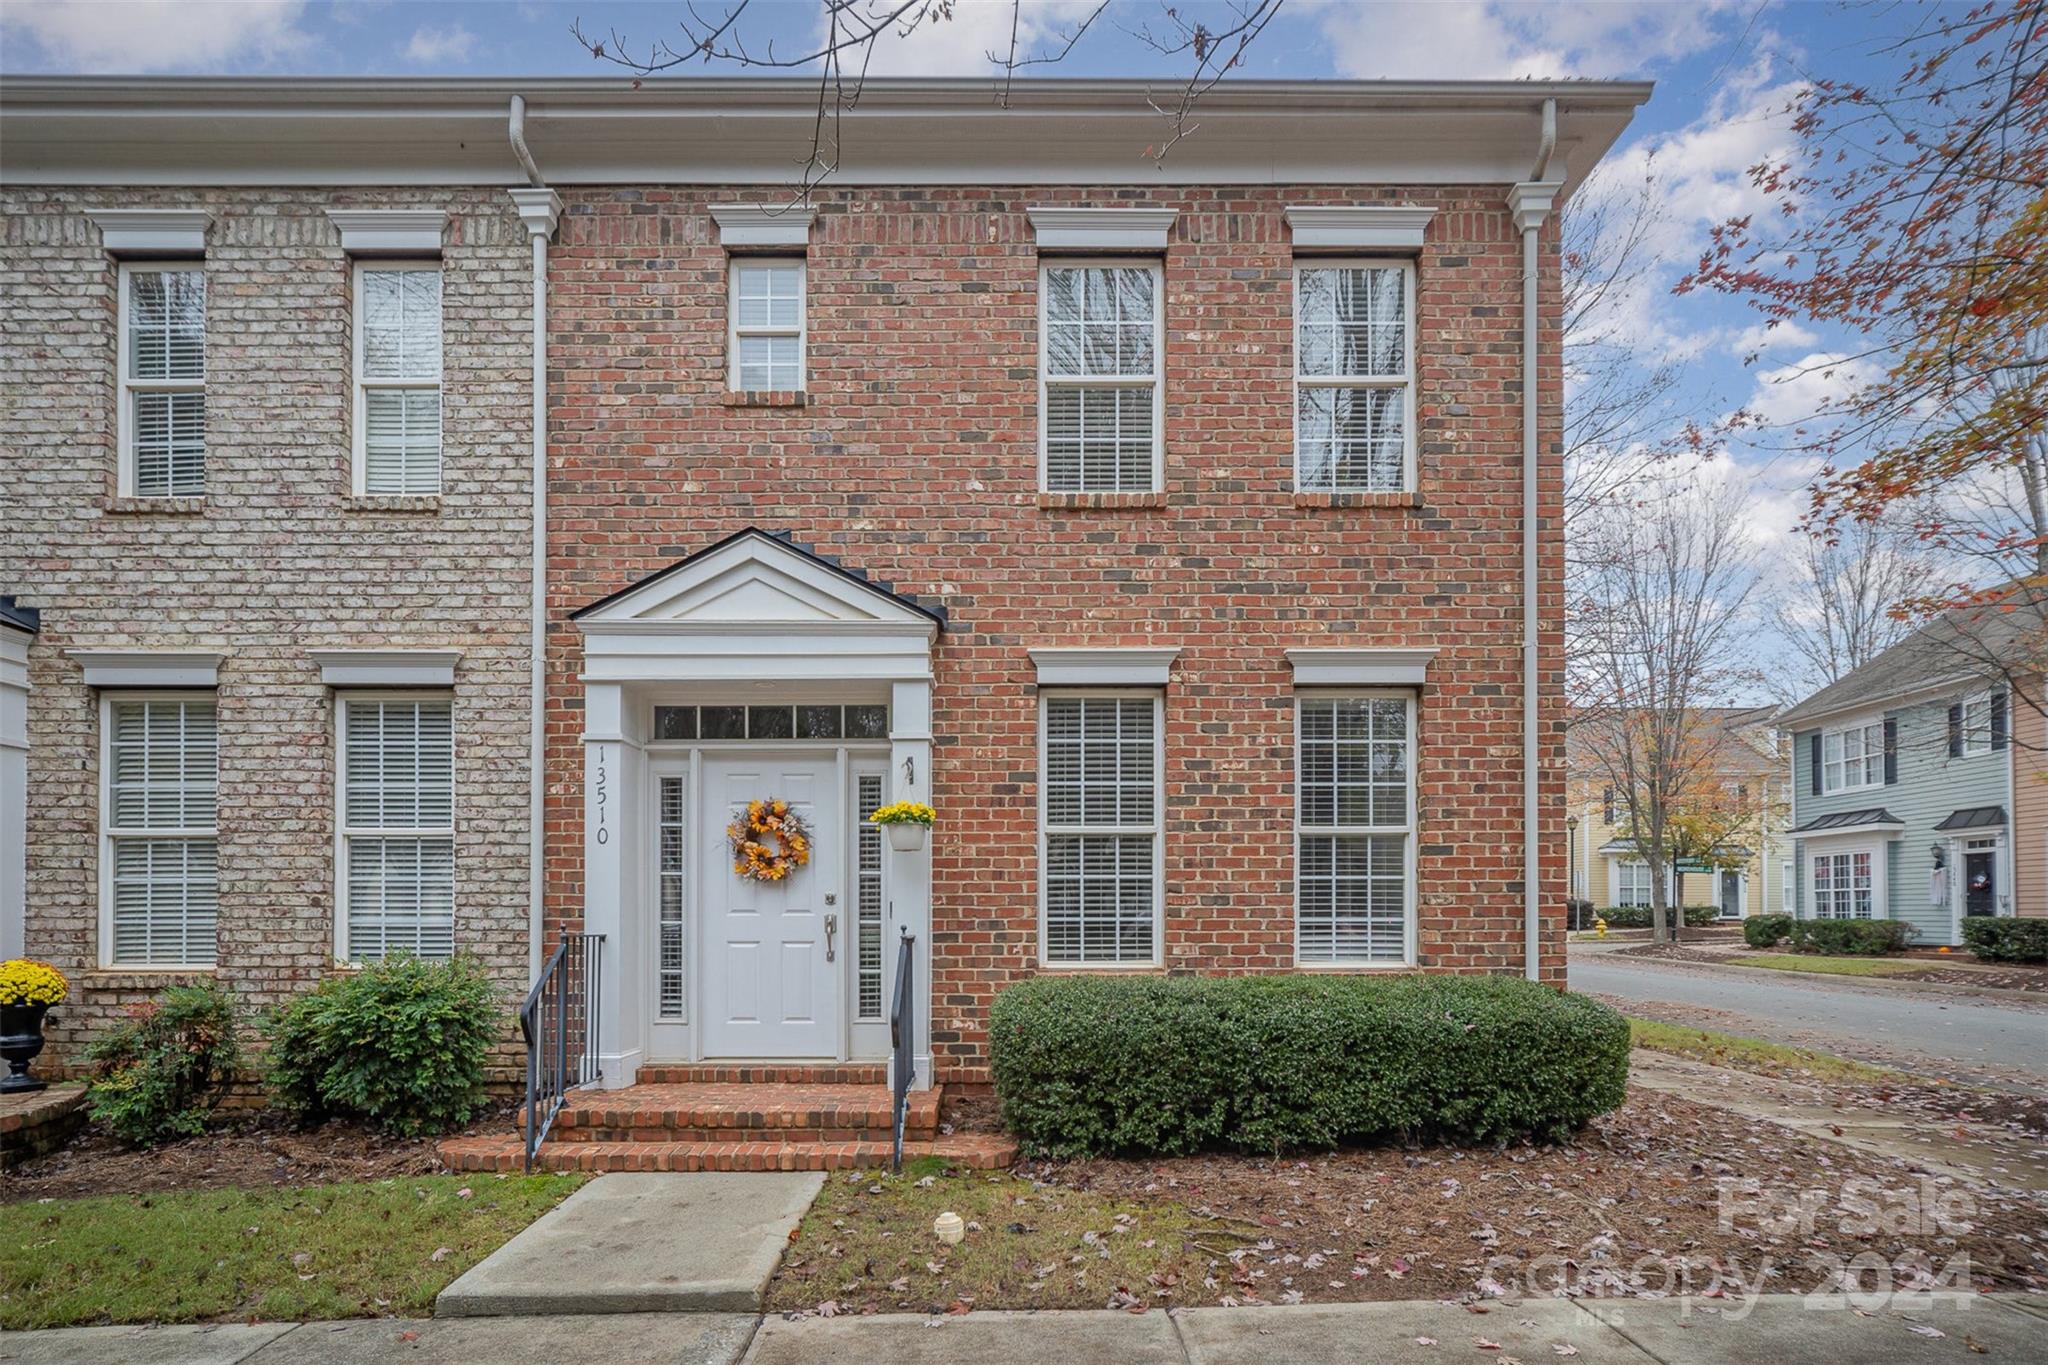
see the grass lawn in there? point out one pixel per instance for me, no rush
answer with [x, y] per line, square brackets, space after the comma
[870, 1241]
[1830, 966]
[329, 1251]
[1755, 1054]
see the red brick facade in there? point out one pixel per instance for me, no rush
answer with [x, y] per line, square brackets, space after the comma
[913, 456]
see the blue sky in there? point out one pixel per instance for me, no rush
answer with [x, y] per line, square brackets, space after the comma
[1725, 70]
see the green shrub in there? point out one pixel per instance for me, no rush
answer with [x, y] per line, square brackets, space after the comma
[2007, 940]
[1166, 1065]
[400, 1044]
[1638, 916]
[1766, 931]
[159, 1074]
[1851, 937]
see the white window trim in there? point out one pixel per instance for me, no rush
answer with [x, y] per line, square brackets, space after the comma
[343, 831]
[1405, 382]
[1788, 903]
[358, 328]
[1616, 862]
[1411, 831]
[109, 836]
[1157, 829]
[734, 331]
[1977, 744]
[1156, 379]
[1358, 227]
[1879, 891]
[1838, 734]
[126, 386]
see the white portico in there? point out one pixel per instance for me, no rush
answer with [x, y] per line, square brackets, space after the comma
[753, 669]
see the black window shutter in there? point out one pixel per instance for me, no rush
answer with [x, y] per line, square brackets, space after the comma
[1814, 764]
[1955, 732]
[1607, 805]
[1998, 720]
[1891, 750]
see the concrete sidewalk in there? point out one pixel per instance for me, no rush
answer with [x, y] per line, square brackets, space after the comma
[1777, 1329]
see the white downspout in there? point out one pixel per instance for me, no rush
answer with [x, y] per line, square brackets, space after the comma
[539, 209]
[1530, 204]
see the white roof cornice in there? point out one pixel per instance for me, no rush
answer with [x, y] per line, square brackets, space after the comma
[172, 131]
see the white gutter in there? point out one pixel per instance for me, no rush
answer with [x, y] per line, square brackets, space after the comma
[1530, 203]
[539, 209]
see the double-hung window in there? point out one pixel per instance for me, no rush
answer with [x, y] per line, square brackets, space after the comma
[1977, 725]
[162, 774]
[1841, 885]
[163, 380]
[1101, 827]
[1099, 389]
[1355, 829]
[1853, 757]
[767, 310]
[1632, 883]
[398, 378]
[1354, 377]
[397, 827]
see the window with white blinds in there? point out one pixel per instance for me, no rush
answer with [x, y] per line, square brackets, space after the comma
[670, 888]
[767, 338]
[162, 781]
[867, 900]
[398, 378]
[1354, 793]
[398, 827]
[1100, 868]
[1353, 378]
[163, 380]
[1099, 390]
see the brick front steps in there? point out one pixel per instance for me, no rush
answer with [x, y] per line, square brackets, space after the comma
[728, 1125]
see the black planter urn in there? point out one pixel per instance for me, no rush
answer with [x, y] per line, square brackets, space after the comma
[21, 1038]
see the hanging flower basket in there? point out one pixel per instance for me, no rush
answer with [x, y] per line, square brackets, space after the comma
[27, 990]
[908, 822]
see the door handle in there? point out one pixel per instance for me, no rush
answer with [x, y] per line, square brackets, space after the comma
[831, 928]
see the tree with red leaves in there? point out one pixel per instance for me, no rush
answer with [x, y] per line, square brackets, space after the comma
[1914, 216]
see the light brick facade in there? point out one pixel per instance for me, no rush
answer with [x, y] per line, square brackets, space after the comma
[914, 458]
[276, 560]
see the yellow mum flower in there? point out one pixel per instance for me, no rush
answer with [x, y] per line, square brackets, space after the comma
[24, 981]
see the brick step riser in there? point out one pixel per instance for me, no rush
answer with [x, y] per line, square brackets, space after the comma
[705, 1074]
[602, 1133]
[648, 1158]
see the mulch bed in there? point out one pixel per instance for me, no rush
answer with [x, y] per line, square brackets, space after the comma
[1640, 1188]
[1999, 976]
[245, 1150]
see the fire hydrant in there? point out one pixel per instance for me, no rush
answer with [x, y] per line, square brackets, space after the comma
[1599, 927]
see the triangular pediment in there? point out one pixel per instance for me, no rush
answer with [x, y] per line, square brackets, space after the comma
[757, 579]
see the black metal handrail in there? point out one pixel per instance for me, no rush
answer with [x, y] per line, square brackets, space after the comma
[559, 1023]
[902, 1048]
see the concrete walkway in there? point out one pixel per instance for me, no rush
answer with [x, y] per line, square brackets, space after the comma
[699, 1243]
[1780, 1329]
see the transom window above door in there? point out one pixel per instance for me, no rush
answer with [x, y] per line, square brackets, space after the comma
[782, 721]
[1099, 391]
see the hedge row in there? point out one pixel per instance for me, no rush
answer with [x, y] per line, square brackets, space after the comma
[1169, 1065]
[2007, 940]
[1638, 916]
[1848, 937]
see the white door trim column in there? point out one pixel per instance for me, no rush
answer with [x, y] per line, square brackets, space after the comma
[910, 874]
[614, 770]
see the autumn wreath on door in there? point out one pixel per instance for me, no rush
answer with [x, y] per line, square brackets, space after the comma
[769, 840]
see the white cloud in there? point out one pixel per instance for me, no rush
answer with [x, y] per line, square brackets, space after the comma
[1809, 391]
[131, 37]
[432, 46]
[1760, 337]
[1504, 39]
[960, 45]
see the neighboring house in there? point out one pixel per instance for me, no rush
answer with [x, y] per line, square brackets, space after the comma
[1161, 524]
[1903, 781]
[1747, 766]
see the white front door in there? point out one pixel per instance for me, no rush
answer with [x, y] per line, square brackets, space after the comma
[771, 979]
